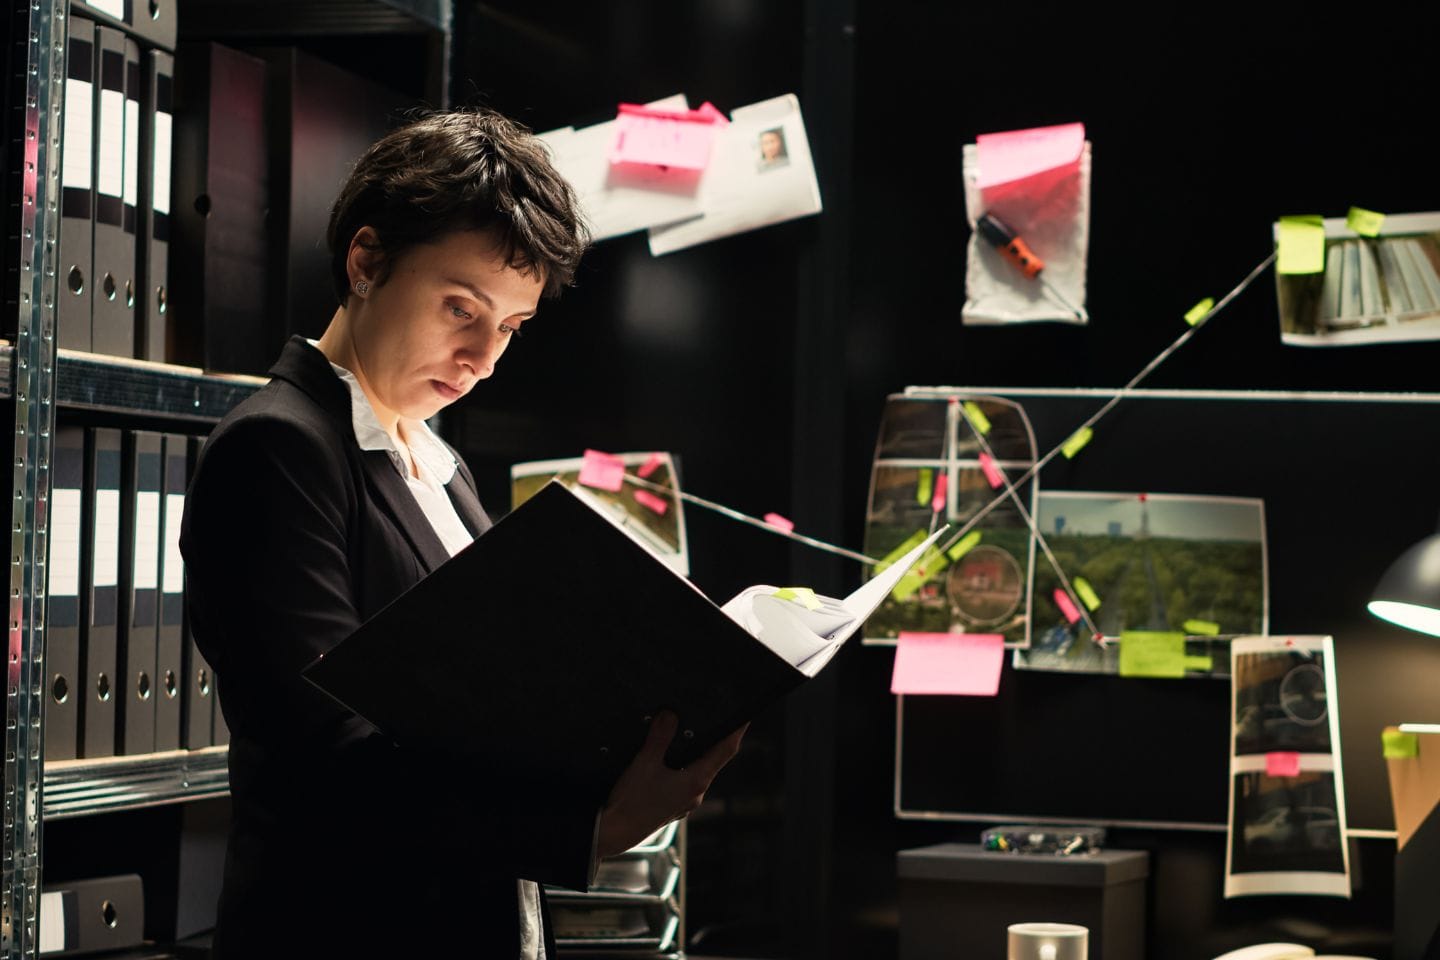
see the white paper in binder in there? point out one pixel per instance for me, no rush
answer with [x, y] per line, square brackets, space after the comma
[1050, 211]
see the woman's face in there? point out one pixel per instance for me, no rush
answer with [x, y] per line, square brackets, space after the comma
[439, 322]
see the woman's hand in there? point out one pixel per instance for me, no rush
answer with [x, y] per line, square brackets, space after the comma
[649, 794]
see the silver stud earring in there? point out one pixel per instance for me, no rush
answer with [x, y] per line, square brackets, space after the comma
[362, 287]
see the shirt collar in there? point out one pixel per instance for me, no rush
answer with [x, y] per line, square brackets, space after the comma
[424, 445]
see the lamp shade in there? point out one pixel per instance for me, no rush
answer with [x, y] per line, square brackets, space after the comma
[1409, 593]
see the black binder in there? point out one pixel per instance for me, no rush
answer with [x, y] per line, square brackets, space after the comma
[495, 655]
[104, 913]
[77, 189]
[197, 703]
[112, 328]
[170, 644]
[64, 687]
[153, 21]
[153, 252]
[140, 576]
[100, 592]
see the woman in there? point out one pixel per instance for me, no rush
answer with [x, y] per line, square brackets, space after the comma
[323, 497]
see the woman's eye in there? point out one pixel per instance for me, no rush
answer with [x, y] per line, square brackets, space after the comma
[458, 313]
[507, 329]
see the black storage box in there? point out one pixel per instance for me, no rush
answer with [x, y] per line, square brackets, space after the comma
[956, 900]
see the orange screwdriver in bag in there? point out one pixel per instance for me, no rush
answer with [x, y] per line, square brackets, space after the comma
[1018, 252]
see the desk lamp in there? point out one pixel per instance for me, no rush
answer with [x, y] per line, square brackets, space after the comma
[1409, 593]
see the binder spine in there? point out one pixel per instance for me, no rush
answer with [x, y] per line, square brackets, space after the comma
[169, 651]
[64, 687]
[140, 577]
[154, 243]
[112, 326]
[77, 189]
[198, 705]
[100, 567]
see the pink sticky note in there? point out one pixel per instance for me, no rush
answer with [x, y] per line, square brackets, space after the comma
[663, 138]
[603, 471]
[993, 473]
[959, 664]
[1066, 605]
[1016, 154]
[937, 503]
[650, 466]
[647, 499]
[775, 520]
[1282, 763]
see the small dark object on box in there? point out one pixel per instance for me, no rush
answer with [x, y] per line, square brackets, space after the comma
[1060, 841]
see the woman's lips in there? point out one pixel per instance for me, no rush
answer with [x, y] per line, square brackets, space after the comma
[446, 391]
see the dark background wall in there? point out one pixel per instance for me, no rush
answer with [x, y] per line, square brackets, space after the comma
[763, 360]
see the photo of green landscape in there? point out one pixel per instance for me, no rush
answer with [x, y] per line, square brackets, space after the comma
[1156, 562]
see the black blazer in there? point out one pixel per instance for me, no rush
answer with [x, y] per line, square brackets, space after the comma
[292, 537]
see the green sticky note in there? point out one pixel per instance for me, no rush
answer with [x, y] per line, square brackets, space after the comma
[1200, 664]
[1148, 653]
[914, 540]
[1399, 745]
[931, 563]
[1198, 312]
[1201, 628]
[1086, 593]
[1367, 223]
[801, 595]
[1302, 245]
[964, 545]
[925, 486]
[1077, 442]
[977, 417]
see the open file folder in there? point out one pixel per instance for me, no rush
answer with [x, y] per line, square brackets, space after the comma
[549, 643]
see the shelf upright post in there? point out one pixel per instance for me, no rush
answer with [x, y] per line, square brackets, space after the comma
[36, 155]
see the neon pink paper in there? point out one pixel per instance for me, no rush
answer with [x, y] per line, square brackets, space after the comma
[650, 465]
[993, 474]
[779, 522]
[937, 503]
[603, 471]
[1282, 763]
[665, 138]
[1066, 605]
[957, 664]
[1017, 154]
[647, 499]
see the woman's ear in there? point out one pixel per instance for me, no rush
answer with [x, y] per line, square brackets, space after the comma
[366, 258]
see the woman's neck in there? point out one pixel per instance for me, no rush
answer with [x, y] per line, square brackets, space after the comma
[338, 345]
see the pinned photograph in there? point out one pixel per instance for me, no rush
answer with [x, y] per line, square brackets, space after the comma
[772, 148]
[1281, 702]
[1286, 824]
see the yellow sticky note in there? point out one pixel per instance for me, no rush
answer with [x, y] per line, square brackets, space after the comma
[964, 545]
[1087, 593]
[1302, 245]
[1077, 442]
[925, 486]
[1367, 223]
[1201, 628]
[1148, 653]
[913, 541]
[977, 417]
[1198, 312]
[801, 595]
[931, 563]
[1200, 664]
[1399, 745]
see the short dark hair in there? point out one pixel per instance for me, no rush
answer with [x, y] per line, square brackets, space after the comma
[461, 170]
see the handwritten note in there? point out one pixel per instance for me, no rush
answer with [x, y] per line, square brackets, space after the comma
[1077, 442]
[1145, 653]
[1367, 223]
[956, 664]
[1282, 763]
[603, 471]
[1201, 628]
[1200, 311]
[977, 418]
[931, 563]
[1199, 664]
[942, 484]
[651, 464]
[1067, 607]
[964, 545]
[1086, 593]
[1302, 245]
[1399, 746]
[993, 474]
[665, 138]
[1017, 154]
[924, 484]
[779, 522]
[656, 504]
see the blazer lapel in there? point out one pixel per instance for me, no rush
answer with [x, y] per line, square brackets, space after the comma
[467, 503]
[390, 491]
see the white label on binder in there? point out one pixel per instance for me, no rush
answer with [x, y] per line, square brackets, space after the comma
[78, 144]
[160, 189]
[147, 540]
[113, 8]
[65, 542]
[111, 173]
[52, 922]
[132, 150]
[174, 581]
[107, 538]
